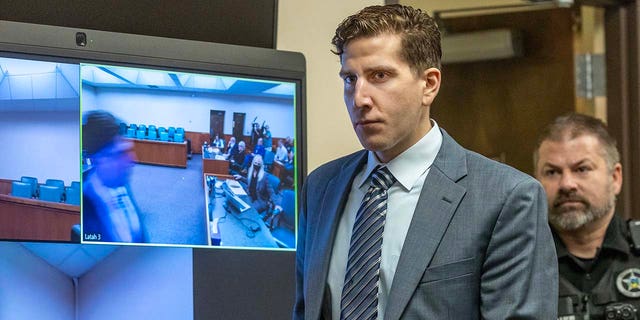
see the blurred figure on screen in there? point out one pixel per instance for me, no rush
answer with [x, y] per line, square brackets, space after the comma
[263, 196]
[231, 147]
[218, 143]
[237, 156]
[110, 213]
[282, 155]
[259, 149]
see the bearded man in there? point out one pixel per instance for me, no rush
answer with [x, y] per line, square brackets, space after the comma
[578, 164]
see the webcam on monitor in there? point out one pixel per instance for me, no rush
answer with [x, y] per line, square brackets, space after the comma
[81, 39]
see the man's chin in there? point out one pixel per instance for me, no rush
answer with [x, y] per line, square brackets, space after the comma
[569, 220]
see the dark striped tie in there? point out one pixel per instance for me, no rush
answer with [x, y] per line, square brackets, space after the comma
[360, 291]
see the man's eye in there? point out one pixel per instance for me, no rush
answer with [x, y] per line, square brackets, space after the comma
[380, 75]
[550, 172]
[349, 79]
[583, 169]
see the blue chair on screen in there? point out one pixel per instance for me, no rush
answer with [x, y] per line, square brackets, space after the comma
[164, 136]
[142, 127]
[72, 196]
[141, 134]
[75, 184]
[274, 182]
[133, 126]
[131, 133]
[54, 182]
[123, 128]
[180, 130]
[289, 208]
[34, 185]
[51, 193]
[21, 189]
[178, 137]
[171, 131]
[151, 127]
[153, 135]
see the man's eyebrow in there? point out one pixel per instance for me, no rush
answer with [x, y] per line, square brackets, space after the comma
[549, 165]
[344, 73]
[367, 70]
[583, 162]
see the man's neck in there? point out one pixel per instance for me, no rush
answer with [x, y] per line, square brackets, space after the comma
[585, 241]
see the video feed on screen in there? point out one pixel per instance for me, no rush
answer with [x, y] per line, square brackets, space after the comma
[187, 159]
[40, 141]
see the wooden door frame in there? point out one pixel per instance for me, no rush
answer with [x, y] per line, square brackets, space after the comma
[622, 38]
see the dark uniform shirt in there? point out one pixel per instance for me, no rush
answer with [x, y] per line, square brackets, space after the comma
[588, 286]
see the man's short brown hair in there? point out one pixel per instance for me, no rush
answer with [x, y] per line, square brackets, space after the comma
[574, 125]
[419, 32]
[99, 130]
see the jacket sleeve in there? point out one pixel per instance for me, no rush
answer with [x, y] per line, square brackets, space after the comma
[520, 272]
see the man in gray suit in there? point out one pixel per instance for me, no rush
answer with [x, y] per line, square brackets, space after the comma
[462, 236]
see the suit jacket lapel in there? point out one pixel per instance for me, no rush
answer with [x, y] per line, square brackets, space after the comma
[436, 206]
[333, 202]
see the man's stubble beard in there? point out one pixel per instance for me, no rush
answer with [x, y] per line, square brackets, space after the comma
[575, 218]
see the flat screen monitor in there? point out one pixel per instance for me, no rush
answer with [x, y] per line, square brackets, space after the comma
[116, 150]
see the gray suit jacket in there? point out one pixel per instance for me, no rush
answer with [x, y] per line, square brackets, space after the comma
[479, 245]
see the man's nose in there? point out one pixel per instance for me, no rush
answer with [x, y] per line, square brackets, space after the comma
[568, 182]
[361, 94]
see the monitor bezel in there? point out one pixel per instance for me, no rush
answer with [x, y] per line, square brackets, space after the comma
[58, 44]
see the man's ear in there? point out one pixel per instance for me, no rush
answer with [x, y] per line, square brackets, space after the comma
[431, 78]
[617, 178]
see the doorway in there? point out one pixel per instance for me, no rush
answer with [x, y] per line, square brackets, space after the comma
[216, 124]
[238, 125]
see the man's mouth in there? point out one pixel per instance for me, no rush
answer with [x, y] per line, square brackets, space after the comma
[568, 202]
[365, 123]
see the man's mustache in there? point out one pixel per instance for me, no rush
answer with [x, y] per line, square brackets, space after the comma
[568, 197]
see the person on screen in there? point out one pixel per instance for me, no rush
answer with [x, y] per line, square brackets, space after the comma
[256, 133]
[268, 139]
[281, 152]
[237, 158]
[259, 148]
[230, 147]
[260, 190]
[288, 143]
[218, 143]
[447, 233]
[109, 211]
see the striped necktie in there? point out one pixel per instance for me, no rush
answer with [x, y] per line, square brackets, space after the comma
[360, 291]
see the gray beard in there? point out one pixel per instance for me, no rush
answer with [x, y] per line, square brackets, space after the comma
[575, 219]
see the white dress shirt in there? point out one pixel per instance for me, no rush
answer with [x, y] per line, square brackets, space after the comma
[410, 168]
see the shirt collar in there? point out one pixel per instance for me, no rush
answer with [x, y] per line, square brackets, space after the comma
[409, 166]
[616, 236]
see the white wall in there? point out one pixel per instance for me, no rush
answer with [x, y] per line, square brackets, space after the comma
[139, 283]
[191, 110]
[32, 289]
[40, 144]
[307, 26]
